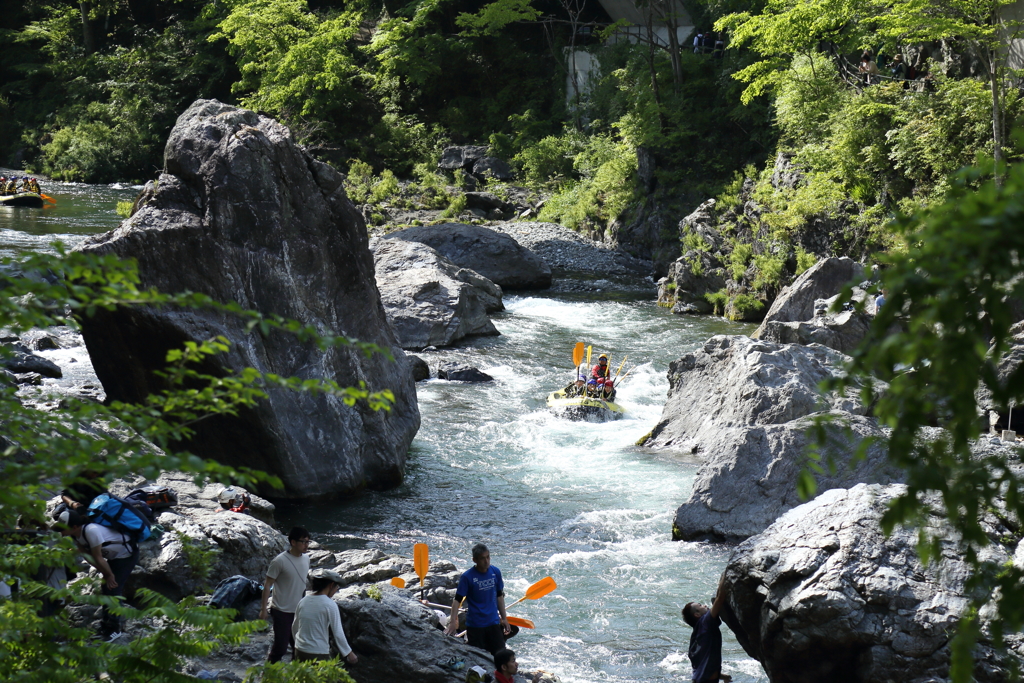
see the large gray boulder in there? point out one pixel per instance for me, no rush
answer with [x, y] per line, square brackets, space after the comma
[824, 595]
[243, 215]
[429, 300]
[379, 630]
[746, 408]
[495, 255]
[841, 331]
[461, 156]
[240, 543]
[824, 279]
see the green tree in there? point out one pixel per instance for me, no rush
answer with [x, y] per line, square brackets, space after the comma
[45, 450]
[937, 340]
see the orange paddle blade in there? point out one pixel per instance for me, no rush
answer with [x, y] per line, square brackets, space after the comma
[421, 559]
[398, 582]
[520, 622]
[538, 590]
[577, 354]
[541, 588]
[49, 199]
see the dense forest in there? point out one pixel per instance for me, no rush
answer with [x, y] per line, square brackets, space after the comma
[90, 90]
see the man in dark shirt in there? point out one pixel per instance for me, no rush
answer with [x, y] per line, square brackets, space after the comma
[705, 651]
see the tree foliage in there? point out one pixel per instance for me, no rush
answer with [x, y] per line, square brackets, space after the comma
[45, 450]
[937, 341]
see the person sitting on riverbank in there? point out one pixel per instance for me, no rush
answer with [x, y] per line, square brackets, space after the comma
[506, 667]
[318, 621]
[705, 651]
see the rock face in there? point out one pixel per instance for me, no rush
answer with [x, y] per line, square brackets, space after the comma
[429, 300]
[245, 544]
[745, 407]
[242, 214]
[461, 156]
[458, 372]
[20, 359]
[841, 331]
[824, 595]
[822, 280]
[495, 255]
[378, 631]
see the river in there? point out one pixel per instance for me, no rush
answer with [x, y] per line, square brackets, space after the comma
[573, 500]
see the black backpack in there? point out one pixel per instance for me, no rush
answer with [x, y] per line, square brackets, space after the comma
[154, 496]
[234, 591]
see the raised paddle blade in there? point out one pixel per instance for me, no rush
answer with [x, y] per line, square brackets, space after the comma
[577, 354]
[398, 582]
[589, 350]
[421, 559]
[541, 588]
[620, 366]
[538, 590]
[520, 622]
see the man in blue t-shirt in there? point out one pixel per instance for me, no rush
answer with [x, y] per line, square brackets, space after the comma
[705, 651]
[482, 587]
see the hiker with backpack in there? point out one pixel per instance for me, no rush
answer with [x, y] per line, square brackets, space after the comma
[111, 551]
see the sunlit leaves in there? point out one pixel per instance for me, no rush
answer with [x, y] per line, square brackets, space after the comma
[44, 449]
[944, 326]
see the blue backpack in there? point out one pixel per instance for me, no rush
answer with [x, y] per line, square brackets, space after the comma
[111, 511]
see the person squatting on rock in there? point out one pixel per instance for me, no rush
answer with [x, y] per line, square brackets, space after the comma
[317, 620]
[505, 667]
[287, 576]
[108, 550]
[705, 650]
[482, 586]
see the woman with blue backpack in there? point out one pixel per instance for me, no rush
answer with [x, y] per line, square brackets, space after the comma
[109, 550]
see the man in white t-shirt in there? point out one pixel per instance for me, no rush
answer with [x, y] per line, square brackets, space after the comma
[287, 576]
[317, 621]
[110, 551]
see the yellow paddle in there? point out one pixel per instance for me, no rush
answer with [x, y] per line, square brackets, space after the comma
[421, 561]
[538, 590]
[398, 582]
[49, 199]
[620, 369]
[577, 355]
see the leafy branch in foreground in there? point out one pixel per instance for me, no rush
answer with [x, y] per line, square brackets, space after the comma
[938, 339]
[43, 450]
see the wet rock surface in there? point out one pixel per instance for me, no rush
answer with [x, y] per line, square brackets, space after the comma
[492, 254]
[823, 595]
[243, 215]
[459, 372]
[746, 408]
[429, 300]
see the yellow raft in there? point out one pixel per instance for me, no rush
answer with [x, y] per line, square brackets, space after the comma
[584, 407]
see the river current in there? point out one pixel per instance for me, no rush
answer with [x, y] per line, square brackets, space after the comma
[577, 501]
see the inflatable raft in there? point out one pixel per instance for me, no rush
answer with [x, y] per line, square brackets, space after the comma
[29, 199]
[584, 407]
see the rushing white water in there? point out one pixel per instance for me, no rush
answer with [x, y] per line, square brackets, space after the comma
[573, 500]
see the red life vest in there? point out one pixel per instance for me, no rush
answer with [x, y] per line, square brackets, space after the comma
[599, 373]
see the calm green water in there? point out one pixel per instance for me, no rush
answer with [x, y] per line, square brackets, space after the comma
[573, 500]
[81, 210]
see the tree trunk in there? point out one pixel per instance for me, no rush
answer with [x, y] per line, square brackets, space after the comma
[88, 29]
[998, 141]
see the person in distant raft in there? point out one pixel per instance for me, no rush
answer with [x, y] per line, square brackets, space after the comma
[486, 622]
[600, 371]
[705, 651]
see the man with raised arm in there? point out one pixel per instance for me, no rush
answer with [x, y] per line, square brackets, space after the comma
[705, 651]
[481, 585]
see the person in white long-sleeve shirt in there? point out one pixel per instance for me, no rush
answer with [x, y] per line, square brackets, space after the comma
[317, 620]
